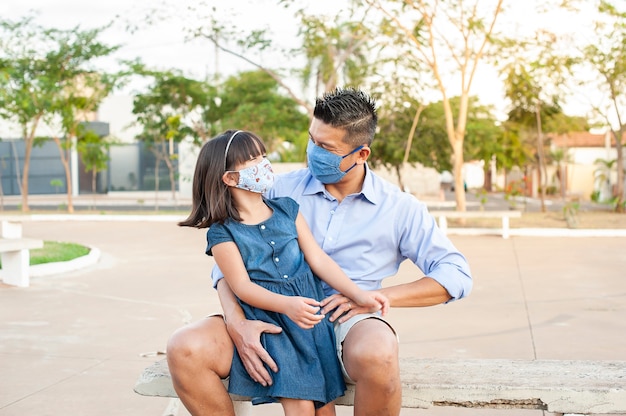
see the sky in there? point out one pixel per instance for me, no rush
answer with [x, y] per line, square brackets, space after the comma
[162, 45]
[159, 44]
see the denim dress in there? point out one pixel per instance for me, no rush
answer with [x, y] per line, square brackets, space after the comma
[308, 367]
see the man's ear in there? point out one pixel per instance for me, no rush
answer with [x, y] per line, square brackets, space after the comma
[228, 179]
[364, 154]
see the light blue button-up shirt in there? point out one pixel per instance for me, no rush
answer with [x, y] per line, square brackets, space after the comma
[369, 234]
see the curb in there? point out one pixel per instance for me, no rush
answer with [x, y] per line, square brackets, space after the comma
[94, 254]
[540, 232]
[48, 269]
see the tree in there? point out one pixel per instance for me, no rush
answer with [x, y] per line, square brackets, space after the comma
[523, 88]
[26, 90]
[93, 150]
[81, 98]
[400, 110]
[602, 176]
[537, 69]
[606, 56]
[174, 108]
[337, 51]
[484, 138]
[335, 48]
[561, 123]
[253, 101]
[444, 32]
[44, 74]
[399, 117]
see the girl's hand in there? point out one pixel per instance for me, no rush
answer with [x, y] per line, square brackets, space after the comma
[373, 301]
[303, 311]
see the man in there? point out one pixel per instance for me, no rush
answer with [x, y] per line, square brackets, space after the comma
[368, 227]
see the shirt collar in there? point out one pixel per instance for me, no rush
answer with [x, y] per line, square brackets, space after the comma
[314, 186]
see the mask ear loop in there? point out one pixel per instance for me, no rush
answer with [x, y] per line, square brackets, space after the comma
[228, 146]
[354, 151]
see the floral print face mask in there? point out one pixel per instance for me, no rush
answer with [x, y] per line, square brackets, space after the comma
[258, 178]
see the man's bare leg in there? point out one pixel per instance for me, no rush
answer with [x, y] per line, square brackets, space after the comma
[370, 355]
[199, 355]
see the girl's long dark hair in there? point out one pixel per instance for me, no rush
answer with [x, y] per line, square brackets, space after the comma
[211, 198]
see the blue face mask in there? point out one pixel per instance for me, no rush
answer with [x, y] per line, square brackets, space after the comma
[324, 165]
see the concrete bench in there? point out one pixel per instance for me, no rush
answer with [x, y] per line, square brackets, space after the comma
[504, 215]
[560, 387]
[14, 252]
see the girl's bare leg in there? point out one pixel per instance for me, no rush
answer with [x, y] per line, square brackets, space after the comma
[296, 407]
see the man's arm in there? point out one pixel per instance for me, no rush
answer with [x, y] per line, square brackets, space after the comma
[246, 336]
[422, 292]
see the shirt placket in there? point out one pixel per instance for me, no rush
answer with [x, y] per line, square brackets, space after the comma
[266, 235]
[337, 218]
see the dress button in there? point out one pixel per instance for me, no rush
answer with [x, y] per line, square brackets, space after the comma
[263, 227]
[276, 259]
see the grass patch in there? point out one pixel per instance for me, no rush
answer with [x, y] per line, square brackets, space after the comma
[55, 251]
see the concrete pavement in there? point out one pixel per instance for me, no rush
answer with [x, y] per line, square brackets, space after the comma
[73, 343]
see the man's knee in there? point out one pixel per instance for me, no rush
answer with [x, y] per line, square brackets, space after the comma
[183, 342]
[205, 343]
[369, 357]
[371, 350]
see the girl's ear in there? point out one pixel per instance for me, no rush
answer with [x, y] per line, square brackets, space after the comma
[228, 178]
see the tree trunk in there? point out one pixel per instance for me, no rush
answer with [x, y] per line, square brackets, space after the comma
[619, 206]
[459, 183]
[409, 141]
[619, 136]
[170, 168]
[542, 159]
[29, 140]
[68, 173]
[156, 182]
[94, 173]
[400, 180]
[17, 166]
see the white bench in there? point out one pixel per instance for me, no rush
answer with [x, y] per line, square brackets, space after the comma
[560, 387]
[14, 252]
[504, 215]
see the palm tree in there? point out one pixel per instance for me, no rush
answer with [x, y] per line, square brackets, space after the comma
[602, 176]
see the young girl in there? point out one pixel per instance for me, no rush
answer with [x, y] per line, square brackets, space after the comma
[270, 260]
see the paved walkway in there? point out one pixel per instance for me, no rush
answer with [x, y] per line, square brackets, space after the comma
[74, 343]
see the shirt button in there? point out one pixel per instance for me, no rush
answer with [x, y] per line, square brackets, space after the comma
[332, 211]
[285, 276]
[263, 227]
[272, 243]
[276, 259]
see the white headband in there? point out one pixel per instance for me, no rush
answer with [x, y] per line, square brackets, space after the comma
[228, 146]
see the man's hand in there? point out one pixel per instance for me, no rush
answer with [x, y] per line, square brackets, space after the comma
[344, 307]
[247, 335]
